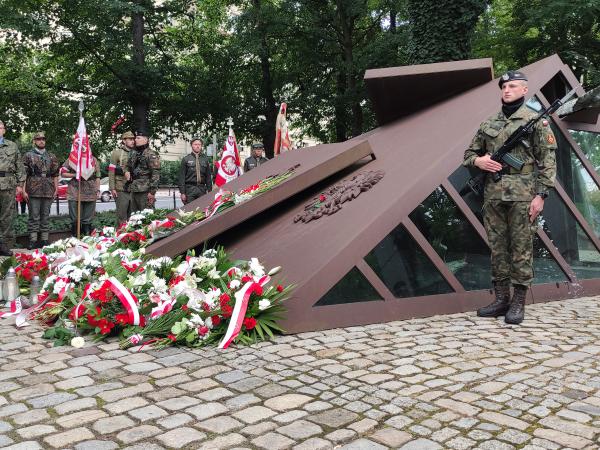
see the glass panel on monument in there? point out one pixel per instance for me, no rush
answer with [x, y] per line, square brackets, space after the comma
[589, 144]
[570, 239]
[404, 267]
[352, 288]
[454, 239]
[577, 182]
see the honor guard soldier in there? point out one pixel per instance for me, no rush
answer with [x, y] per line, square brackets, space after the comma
[143, 173]
[512, 205]
[12, 176]
[41, 186]
[256, 158]
[195, 177]
[116, 176]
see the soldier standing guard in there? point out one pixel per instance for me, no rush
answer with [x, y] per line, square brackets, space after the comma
[512, 205]
[143, 173]
[12, 175]
[257, 158]
[195, 178]
[90, 188]
[41, 186]
[116, 176]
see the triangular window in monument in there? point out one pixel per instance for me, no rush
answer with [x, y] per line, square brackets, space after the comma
[569, 237]
[454, 239]
[404, 267]
[352, 288]
[576, 181]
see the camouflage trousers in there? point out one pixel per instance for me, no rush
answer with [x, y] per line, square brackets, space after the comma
[193, 192]
[139, 201]
[39, 213]
[510, 235]
[86, 213]
[123, 203]
[7, 217]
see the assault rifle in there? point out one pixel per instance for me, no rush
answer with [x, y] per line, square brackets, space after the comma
[503, 156]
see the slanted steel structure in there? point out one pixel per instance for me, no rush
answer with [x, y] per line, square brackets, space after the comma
[411, 245]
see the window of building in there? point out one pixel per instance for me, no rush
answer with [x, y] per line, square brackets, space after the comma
[352, 288]
[404, 267]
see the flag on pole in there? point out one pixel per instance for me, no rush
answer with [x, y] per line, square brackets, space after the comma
[282, 136]
[229, 166]
[81, 159]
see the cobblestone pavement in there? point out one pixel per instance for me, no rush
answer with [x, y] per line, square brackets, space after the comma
[453, 382]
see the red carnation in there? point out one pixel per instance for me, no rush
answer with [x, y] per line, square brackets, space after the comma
[224, 298]
[322, 198]
[172, 337]
[185, 308]
[216, 320]
[77, 311]
[279, 288]
[246, 278]
[203, 330]
[227, 310]
[249, 323]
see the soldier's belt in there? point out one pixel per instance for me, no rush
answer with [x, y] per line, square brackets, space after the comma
[527, 168]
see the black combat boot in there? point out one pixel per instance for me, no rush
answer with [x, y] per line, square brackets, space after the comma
[4, 250]
[33, 244]
[74, 229]
[516, 312]
[500, 305]
[43, 243]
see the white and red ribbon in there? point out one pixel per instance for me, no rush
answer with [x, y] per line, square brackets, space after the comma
[15, 308]
[127, 299]
[239, 310]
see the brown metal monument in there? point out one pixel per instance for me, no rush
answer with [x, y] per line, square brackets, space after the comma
[406, 242]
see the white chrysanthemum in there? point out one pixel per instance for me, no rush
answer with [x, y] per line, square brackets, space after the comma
[214, 274]
[159, 285]
[59, 285]
[159, 262]
[108, 231]
[210, 253]
[256, 268]
[211, 297]
[264, 304]
[50, 280]
[195, 299]
[77, 342]
[234, 284]
[196, 320]
[204, 263]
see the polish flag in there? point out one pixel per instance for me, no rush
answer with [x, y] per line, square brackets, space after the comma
[283, 142]
[81, 158]
[229, 165]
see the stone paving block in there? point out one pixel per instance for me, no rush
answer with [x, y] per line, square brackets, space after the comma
[174, 421]
[287, 401]
[113, 424]
[53, 399]
[74, 383]
[80, 418]
[127, 404]
[26, 445]
[290, 416]
[241, 401]
[391, 437]
[138, 433]
[150, 412]
[31, 416]
[222, 442]
[132, 391]
[504, 420]
[494, 444]
[314, 444]
[181, 437]
[254, 414]
[273, 441]
[421, 444]
[177, 403]
[458, 407]
[363, 444]
[207, 410]
[31, 392]
[66, 438]
[34, 431]
[341, 436]
[300, 429]
[96, 445]
[219, 425]
[566, 426]
[334, 418]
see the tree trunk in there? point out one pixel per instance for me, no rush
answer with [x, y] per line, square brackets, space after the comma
[140, 99]
[266, 86]
[393, 14]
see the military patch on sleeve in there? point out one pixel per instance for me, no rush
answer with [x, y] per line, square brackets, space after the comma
[550, 139]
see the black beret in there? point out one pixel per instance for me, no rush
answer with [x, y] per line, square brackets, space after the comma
[258, 145]
[511, 75]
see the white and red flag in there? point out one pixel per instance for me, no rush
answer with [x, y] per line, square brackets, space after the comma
[81, 158]
[229, 165]
[282, 135]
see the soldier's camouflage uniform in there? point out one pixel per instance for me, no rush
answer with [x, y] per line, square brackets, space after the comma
[116, 181]
[506, 203]
[89, 195]
[144, 168]
[12, 174]
[195, 178]
[42, 170]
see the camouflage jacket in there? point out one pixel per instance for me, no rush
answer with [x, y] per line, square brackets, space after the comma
[144, 167]
[516, 187]
[117, 168]
[41, 168]
[195, 170]
[88, 187]
[11, 165]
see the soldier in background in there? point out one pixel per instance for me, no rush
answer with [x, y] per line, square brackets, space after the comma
[41, 186]
[143, 173]
[511, 206]
[256, 158]
[12, 176]
[90, 189]
[116, 176]
[195, 177]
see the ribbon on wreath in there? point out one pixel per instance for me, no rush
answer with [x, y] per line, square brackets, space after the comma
[220, 200]
[239, 310]
[15, 308]
[128, 300]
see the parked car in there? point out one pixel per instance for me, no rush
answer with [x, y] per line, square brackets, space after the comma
[62, 188]
[104, 195]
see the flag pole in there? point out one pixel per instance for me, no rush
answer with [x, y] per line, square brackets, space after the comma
[81, 108]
